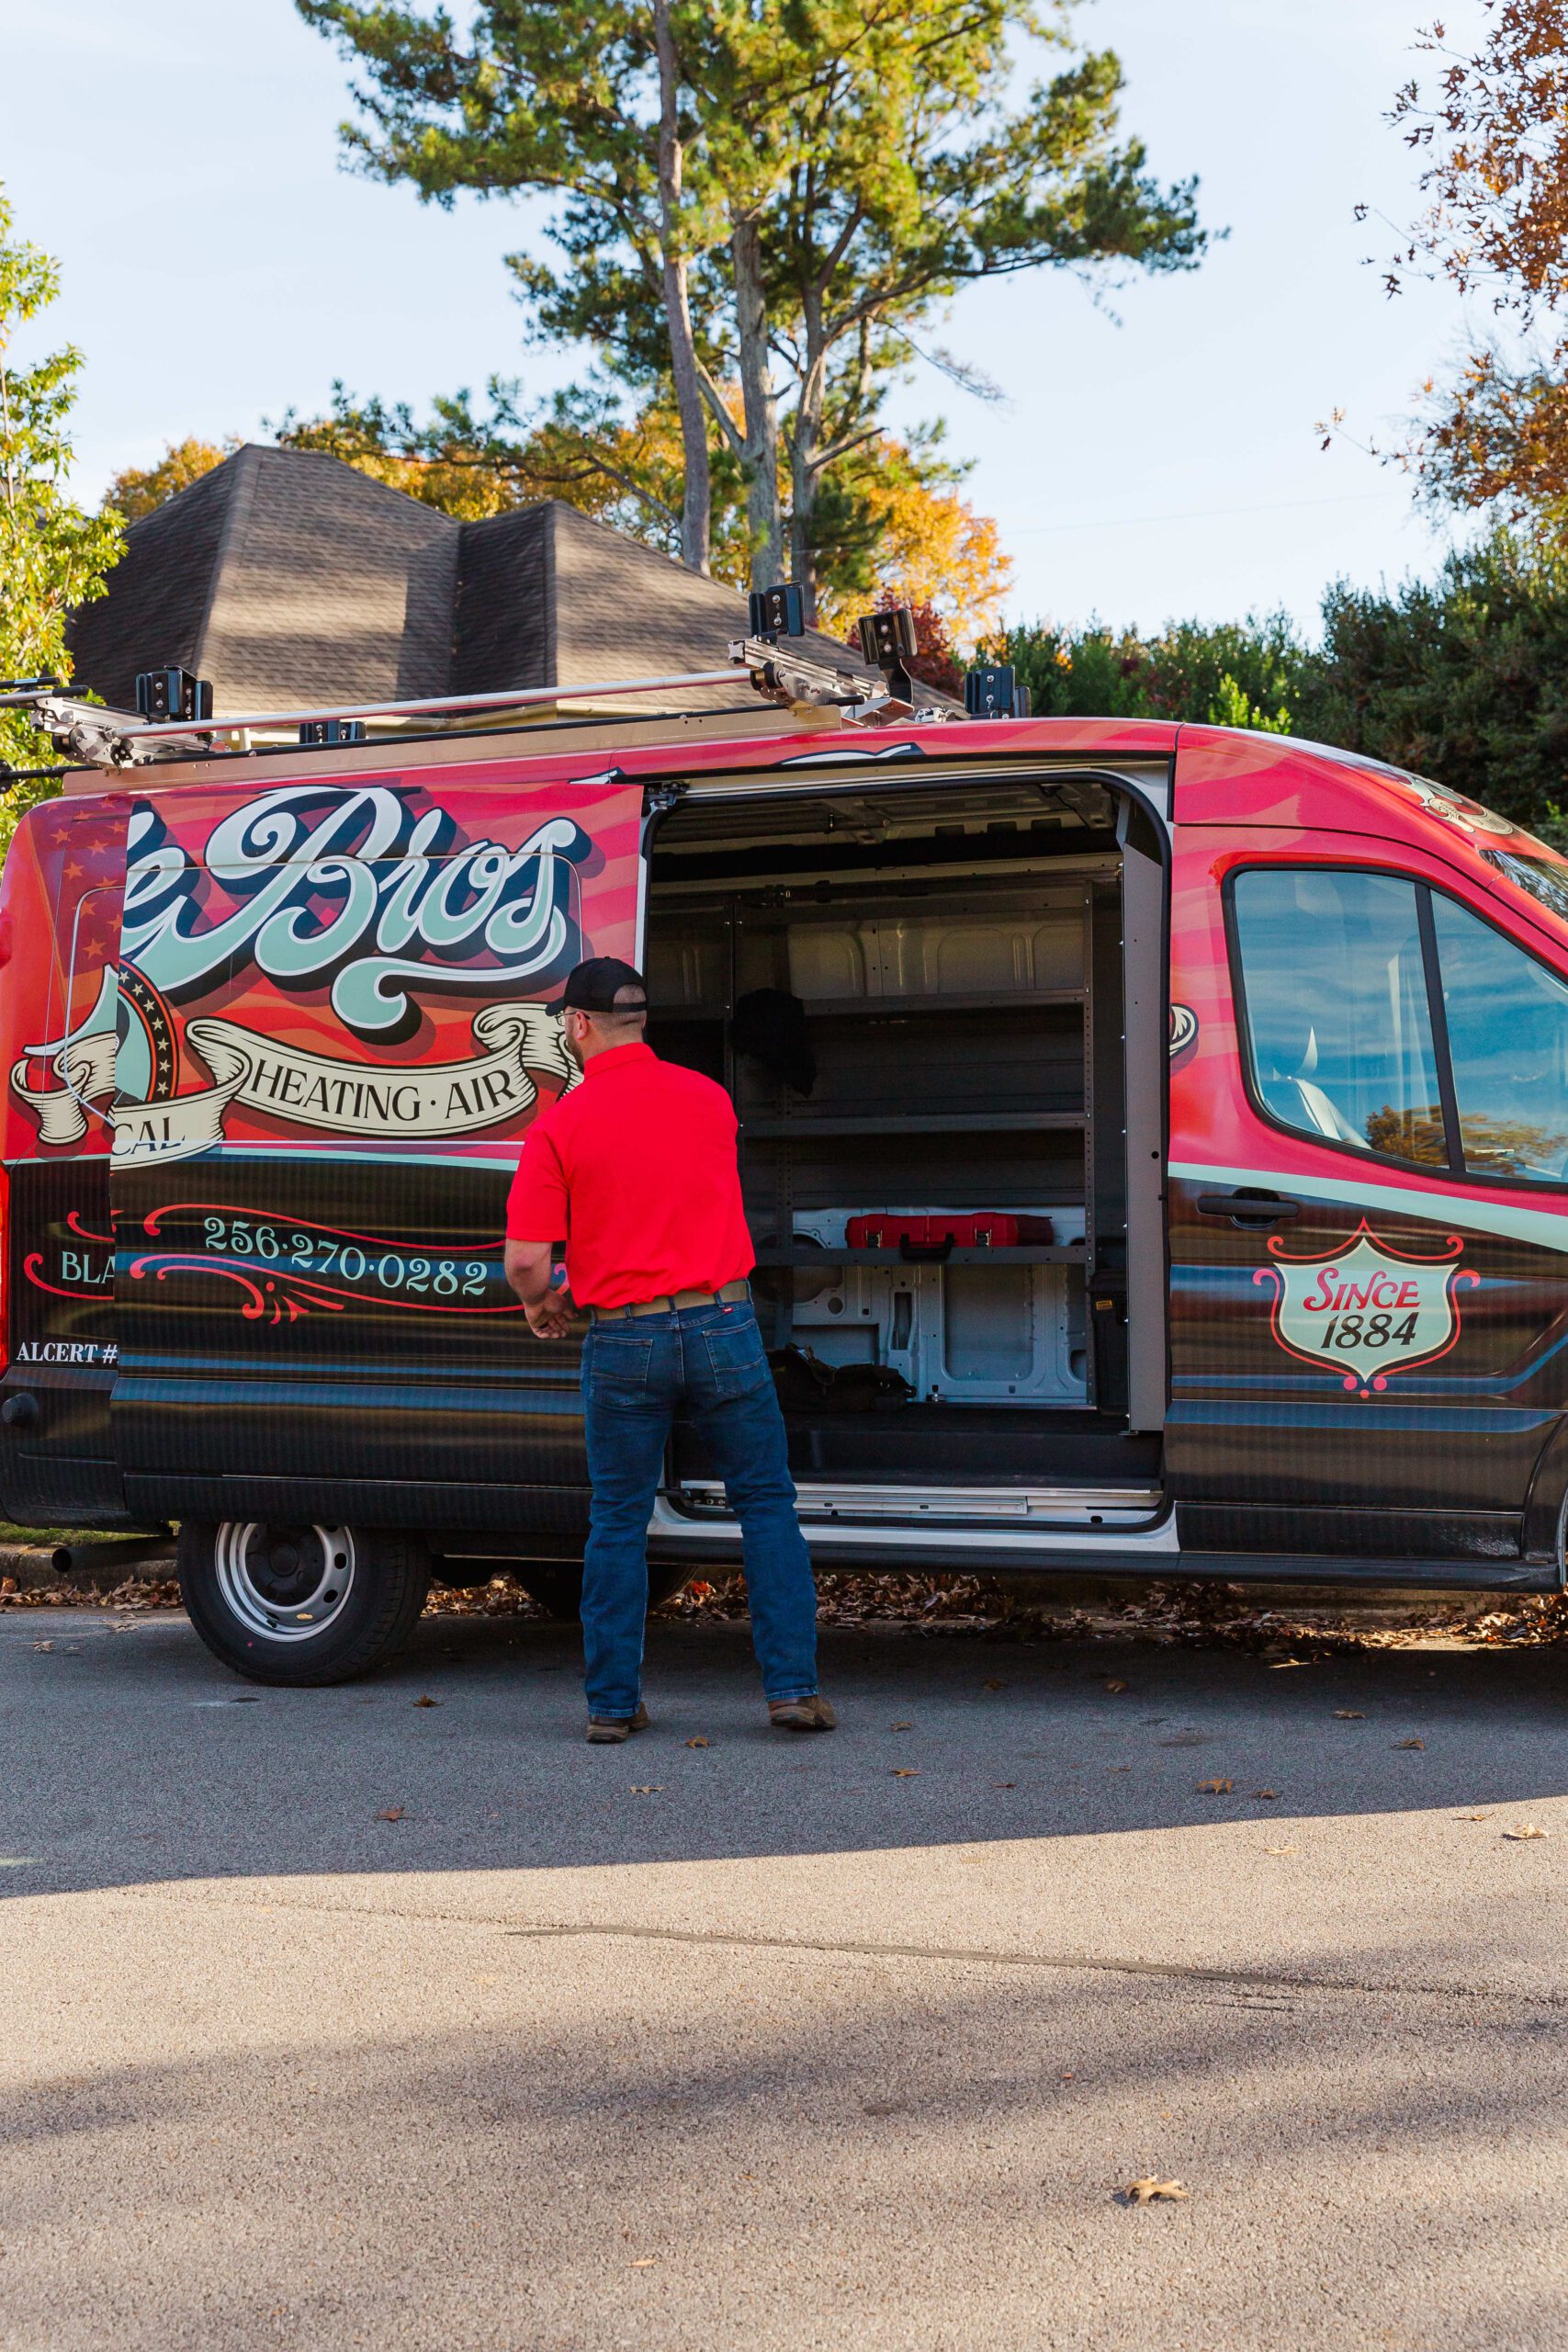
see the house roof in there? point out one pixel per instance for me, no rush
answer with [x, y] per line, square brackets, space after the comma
[288, 578]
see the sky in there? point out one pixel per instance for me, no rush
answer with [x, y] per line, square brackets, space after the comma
[1151, 461]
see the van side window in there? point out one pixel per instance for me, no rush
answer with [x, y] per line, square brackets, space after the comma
[1339, 1031]
[1508, 1022]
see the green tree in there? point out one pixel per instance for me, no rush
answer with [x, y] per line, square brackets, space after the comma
[1253, 673]
[582, 103]
[52, 556]
[1464, 678]
[912, 176]
[473, 459]
[747, 188]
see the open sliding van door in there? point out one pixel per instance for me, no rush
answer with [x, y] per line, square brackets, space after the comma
[938, 998]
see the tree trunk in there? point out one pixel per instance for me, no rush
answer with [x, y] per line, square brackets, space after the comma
[761, 456]
[805, 440]
[696, 503]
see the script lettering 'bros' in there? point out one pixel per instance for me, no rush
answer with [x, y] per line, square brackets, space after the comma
[391, 883]
[359, 891]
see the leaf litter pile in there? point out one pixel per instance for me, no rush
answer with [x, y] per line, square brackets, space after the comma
[133, 1593]
[1198, 1616]
[1291, 1629]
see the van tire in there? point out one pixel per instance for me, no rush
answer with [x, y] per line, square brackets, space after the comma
[235, 1575]
[559, 1591]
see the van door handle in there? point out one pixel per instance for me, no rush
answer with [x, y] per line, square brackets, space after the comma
[1249, 1205]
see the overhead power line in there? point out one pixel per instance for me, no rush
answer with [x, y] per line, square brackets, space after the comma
[1195, 515]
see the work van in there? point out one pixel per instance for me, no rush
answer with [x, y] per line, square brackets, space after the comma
[1155, 1142]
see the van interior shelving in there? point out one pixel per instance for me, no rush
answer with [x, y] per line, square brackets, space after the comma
[915, 997]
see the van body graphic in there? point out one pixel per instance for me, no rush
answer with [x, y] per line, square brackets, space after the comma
[1155, 1146]
[1366, 1312]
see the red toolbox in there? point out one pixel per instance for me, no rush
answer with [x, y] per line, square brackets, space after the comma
[982, 1229]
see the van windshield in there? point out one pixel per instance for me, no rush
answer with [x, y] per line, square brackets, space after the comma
[1537, 871]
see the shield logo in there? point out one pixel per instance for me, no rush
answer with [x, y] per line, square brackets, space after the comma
[1364, 1311]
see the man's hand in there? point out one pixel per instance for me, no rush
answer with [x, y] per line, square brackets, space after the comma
[551, 1317]
[548, 1303]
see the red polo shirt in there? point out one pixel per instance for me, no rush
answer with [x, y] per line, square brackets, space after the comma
[635, 1170]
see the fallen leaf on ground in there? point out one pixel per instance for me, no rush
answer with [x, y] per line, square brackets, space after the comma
[647, 1788]
[1213, 1787]
[1265, 1792]
[7, 1584]
[427, 1703]
[1526, 1829]
[43, 1646]
[1348, 1715]
[1004, 1784]
[698, 1742]
[900, 1726]
[393, 1813]
[905, 1772]
[1473, 1816]
[645, 2262]
[1116, 1683]
[1279, 1665]
[1279, 1850]
[995, 1685]
[1410, 1742]
[1144, 2192]
[1118, 1768]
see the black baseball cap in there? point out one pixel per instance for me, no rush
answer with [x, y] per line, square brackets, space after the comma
[594, 986]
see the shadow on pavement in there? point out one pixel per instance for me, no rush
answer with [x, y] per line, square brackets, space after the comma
[128, 1755]
[755, 2151]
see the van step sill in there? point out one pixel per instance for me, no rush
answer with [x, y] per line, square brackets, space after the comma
[814, 1501]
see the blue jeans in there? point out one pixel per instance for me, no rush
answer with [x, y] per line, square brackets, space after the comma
[636, 1374]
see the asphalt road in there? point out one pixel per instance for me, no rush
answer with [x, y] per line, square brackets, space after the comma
[787, 2043]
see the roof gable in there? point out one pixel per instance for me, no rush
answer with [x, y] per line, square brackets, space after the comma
[290, 580]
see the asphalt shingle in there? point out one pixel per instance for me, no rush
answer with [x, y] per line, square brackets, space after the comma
[292, 580]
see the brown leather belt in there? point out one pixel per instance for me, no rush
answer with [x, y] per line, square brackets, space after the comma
[730, 1296]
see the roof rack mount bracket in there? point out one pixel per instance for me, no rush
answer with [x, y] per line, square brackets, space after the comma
[801, 683]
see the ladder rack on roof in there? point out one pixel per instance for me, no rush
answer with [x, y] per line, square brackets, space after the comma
[112, 739]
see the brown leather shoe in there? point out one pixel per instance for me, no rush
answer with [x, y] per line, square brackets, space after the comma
[802, 1714]
[604, 1730]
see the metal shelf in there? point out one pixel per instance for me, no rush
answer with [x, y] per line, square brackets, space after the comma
[901, 1008]
[917, 1123]
[833, 1008]
[1071, 1253]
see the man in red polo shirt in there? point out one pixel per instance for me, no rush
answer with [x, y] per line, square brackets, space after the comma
[635, 1170]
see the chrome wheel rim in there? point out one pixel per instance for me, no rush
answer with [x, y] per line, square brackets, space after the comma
[288, 1583]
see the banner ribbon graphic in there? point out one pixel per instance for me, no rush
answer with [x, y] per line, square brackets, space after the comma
[304, 1089]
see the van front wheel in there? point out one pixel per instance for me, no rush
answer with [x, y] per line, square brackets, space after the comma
[301, 1604]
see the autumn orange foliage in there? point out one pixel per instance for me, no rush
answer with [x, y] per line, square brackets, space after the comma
[136, 489]
[930, 550]
[1497, 225]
